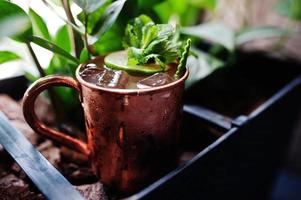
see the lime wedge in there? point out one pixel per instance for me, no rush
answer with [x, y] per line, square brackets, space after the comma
[118, 61]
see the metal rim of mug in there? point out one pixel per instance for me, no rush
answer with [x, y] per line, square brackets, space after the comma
[128, 91]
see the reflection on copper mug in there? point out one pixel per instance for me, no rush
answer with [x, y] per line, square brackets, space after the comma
[132, 134]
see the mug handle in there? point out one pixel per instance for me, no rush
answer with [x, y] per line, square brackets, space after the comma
[30, 116]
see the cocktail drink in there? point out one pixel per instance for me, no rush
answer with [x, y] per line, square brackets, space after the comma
[132, 101]
[135, 133]
[99, 74]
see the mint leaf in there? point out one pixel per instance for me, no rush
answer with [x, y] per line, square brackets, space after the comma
[148, 42]
[133, 31]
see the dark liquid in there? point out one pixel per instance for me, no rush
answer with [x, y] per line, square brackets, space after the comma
[97, 73]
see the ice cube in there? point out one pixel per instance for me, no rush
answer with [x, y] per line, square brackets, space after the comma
[91, 73]
[110, 78]
[155, 80]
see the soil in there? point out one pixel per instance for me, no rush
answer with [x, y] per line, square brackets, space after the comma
[14, 184]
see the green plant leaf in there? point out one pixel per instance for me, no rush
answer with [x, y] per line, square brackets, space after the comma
[29, 76]
[54, 48]
[94, 17]
[14, 22]
[186, 11]
[78, 29]
[89, 6]
[60, 65]
[57, 2]
[39, 27]
[290, 8]
[251, 34]
[164, 11]
[203, 4]
[213, 32]
[201, 66]
[62, 39]
[68, 97]
[107, 20]
[148, 3]
[84, 55]
[6, 56]
[111, 41]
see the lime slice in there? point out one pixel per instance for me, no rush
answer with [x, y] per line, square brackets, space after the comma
[118, 61]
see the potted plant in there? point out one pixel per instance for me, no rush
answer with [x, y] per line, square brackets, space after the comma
[70, 44]
[91, 35]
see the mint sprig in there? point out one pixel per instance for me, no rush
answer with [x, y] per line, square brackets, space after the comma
[147, 42]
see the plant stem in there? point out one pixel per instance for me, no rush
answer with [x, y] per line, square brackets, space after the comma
[86, 36]
[42, 73]
[36, 61]
[75, 37]
[76, 28]
[68, 12]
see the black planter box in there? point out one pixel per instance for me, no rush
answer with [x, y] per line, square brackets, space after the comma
[248, 143]
[242, 163]
[239, 150]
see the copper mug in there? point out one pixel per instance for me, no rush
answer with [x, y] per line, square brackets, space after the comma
[132, 134]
